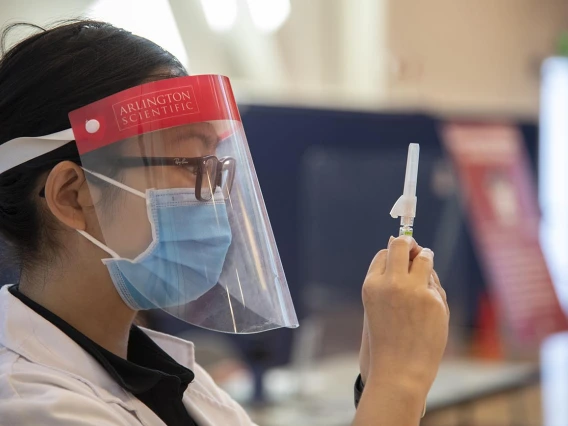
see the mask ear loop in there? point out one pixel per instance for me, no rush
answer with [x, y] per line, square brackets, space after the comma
[120, 185]
[99, 244]
[116, 183]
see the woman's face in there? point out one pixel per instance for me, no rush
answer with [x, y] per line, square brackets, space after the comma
[124, 218]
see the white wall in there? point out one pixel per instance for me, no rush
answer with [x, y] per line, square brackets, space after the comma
[473, 55]
[39, 12]
[446, 55]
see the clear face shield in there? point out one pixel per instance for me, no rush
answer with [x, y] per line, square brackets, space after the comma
[179, 206]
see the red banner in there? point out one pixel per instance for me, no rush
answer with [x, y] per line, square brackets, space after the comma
[153, 106]
[501, 203]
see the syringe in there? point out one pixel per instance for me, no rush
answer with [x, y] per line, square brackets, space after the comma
[405, 206]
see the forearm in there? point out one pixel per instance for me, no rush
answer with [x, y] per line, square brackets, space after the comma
[397, 402]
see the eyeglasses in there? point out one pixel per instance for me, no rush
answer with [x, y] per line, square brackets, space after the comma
[209, 171]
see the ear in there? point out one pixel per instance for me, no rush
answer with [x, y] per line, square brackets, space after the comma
[67, 194]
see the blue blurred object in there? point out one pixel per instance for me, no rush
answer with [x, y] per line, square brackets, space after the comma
[329, 179]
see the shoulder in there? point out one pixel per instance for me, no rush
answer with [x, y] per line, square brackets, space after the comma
[206, 386]
[207, 396]
[34, 394]
[22, 377]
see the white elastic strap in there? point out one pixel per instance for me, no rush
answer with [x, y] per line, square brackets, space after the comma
[116, 183]
[99, 244]
[120, 185]
[18, 151]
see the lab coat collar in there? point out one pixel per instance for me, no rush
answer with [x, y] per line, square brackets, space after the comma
[31, 336]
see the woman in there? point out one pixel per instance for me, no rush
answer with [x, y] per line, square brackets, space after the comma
[126, 185]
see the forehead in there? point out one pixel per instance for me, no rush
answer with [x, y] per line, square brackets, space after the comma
[188, 140]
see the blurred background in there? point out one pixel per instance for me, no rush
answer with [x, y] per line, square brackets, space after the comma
[331, 93]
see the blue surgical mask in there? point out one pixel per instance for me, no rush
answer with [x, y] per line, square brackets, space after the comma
[186, 257]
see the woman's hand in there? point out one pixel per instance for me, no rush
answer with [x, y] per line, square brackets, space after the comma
[406, 316]
[365, 351]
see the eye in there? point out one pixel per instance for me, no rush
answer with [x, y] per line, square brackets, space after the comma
[193, 170]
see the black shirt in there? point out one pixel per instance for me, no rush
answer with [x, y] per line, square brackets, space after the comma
[149, 373]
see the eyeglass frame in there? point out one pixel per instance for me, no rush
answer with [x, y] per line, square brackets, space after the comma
[227, 164]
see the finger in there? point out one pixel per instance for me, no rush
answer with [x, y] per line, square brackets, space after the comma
[440, 289]
[399, 254]
[379, 263]
[435, 286]
[437, 283]
[415, 251]
[422, 266]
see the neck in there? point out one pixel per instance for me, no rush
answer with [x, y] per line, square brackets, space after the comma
[84, 297]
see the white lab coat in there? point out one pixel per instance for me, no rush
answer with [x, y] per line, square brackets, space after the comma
[46, 379]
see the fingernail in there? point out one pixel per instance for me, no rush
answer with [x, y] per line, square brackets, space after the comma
[391, 240]
[427, 252]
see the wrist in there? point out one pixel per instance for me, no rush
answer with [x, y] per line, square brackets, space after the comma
[405, 382]
[395, 398]
[419, 375]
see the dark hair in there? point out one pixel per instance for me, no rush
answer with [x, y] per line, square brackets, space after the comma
[44, 77]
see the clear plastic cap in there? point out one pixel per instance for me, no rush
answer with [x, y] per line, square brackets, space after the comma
[405, 206]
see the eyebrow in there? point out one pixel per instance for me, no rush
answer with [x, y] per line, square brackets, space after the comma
[209, 138]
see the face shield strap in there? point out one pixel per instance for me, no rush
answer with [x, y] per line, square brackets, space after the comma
[21, 150]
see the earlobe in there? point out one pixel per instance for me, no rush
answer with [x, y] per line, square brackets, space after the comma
[65, 194]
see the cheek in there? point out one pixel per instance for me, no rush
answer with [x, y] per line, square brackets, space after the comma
[129, 232]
